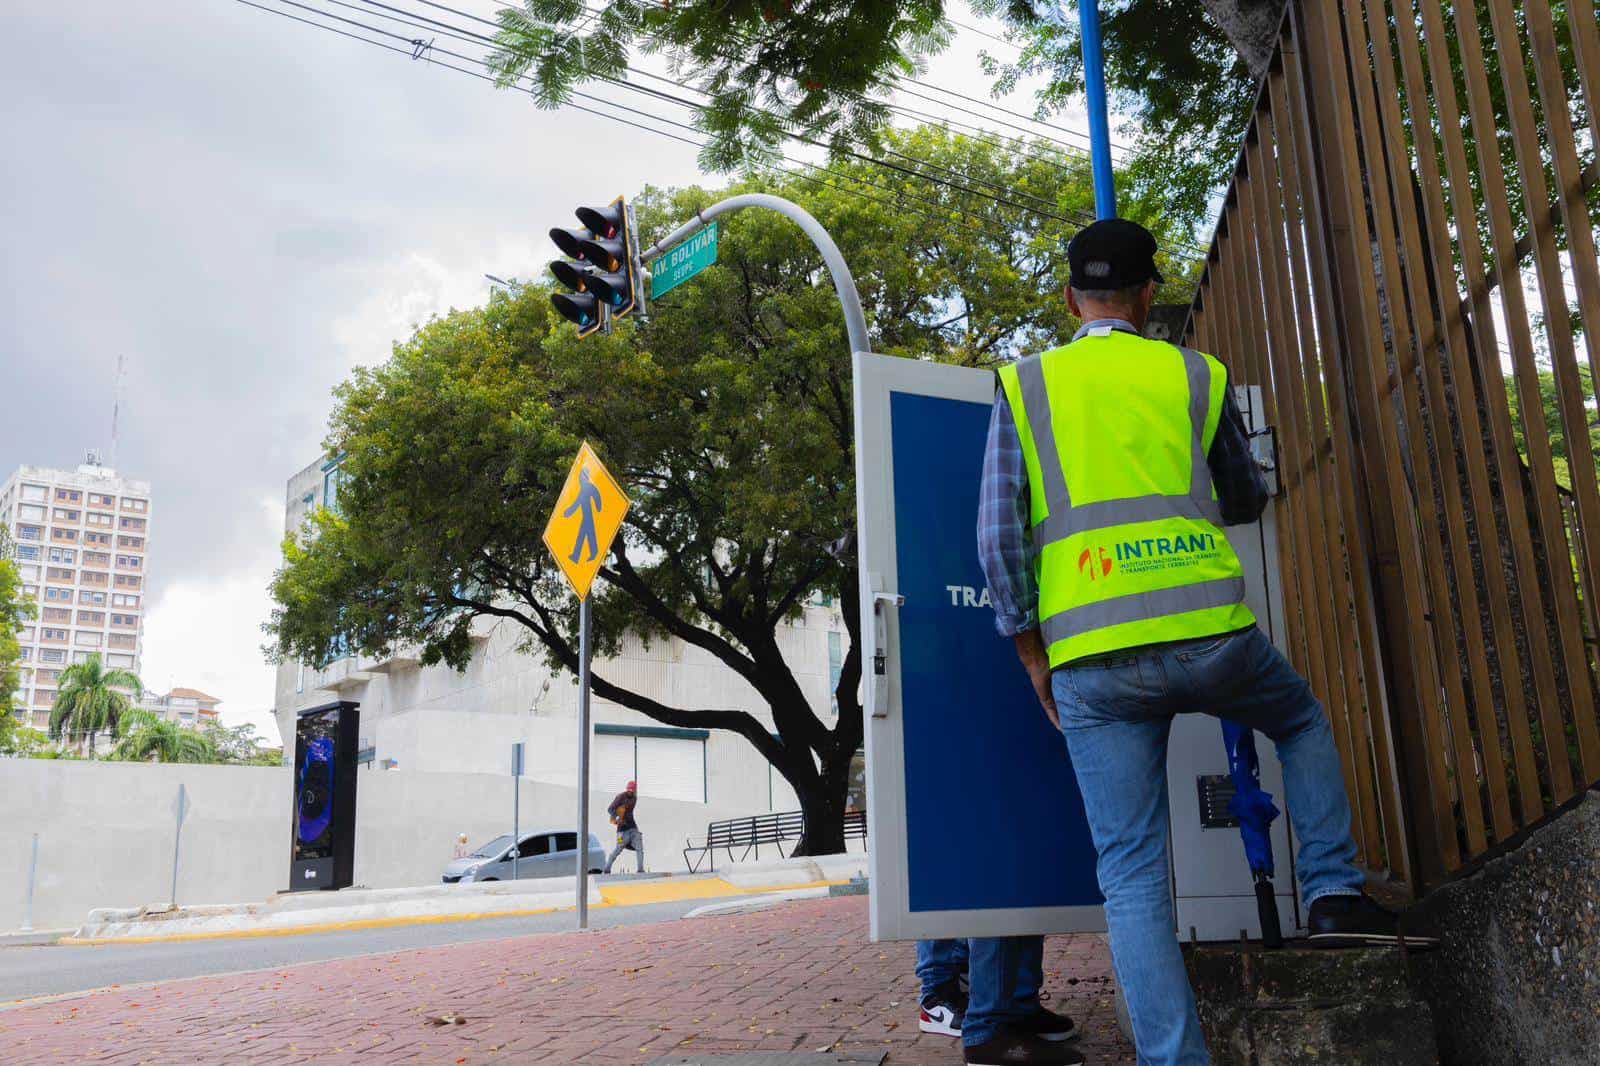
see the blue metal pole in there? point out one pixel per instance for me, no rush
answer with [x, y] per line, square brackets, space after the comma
[1094, 87]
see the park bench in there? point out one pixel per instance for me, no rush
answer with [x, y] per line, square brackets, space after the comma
[773, 830]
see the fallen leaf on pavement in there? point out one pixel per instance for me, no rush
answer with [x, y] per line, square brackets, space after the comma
[450, 1018]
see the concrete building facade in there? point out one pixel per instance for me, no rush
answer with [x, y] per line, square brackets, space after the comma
[80, 539]
[436, 719]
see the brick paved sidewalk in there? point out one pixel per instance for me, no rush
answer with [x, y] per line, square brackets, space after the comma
[801, 977]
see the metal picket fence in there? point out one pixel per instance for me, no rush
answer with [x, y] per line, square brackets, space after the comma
[1406, 263]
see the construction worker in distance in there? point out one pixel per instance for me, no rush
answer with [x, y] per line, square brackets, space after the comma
[1111, 466]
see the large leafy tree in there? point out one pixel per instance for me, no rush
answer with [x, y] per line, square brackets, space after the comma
[729, 418]
[240, 744]
[1183, 71]
[92, 700]
[767, 71]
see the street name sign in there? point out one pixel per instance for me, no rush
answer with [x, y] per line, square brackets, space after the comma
[586, 518]
[683, 262]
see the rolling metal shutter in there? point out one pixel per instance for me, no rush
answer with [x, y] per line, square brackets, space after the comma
[671, 769]
[611, 764]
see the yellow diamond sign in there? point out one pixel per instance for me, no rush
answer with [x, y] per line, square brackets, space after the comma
[588, 514]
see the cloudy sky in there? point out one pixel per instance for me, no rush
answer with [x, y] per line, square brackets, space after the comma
[246, 208]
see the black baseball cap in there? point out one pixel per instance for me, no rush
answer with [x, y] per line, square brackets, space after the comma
[1113, 253]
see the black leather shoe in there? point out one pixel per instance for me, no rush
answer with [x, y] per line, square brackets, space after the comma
[1046, 1024]
[1015, 1049]
[1356, 921]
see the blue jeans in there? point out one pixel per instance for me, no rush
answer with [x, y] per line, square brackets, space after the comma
[1116, 714]
[1005, 973]
[940, 962]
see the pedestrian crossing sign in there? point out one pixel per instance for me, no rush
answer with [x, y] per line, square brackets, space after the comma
[586, 518]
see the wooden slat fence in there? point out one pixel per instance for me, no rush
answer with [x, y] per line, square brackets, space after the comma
[1405, 261]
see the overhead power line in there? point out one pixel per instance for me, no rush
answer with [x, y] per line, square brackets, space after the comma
[802, 138]
[897, 196]
[1081, 135]
[1077, 218]
[419, 48]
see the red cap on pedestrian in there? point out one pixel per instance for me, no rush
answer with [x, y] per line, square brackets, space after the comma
[633, 786]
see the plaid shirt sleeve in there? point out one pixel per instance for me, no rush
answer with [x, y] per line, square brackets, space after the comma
[1005, 549]
[1241, 488]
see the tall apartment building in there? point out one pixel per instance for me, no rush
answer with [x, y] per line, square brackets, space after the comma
[80, 540]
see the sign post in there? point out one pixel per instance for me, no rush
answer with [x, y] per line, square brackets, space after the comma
[516, 807]
[180, 807]
[587, 516]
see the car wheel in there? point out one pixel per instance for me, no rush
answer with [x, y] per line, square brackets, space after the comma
[486, 880]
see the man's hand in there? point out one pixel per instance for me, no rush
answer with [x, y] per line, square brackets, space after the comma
[1035, 660]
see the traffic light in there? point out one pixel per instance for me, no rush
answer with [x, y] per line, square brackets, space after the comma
[603, 271]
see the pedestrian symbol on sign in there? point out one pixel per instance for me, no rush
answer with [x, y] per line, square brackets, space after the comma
[587, 515]
[588, 500]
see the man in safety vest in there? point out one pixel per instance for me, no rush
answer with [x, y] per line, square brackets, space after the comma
[1112, 464]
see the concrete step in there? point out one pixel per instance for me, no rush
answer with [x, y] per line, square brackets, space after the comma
[1309, 1005]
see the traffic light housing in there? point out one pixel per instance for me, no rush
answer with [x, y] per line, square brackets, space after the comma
[603, 272]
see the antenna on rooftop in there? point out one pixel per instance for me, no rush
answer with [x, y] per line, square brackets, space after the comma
[116, 410]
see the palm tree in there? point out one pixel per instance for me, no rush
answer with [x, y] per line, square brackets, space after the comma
[88, 702]
[150, 736]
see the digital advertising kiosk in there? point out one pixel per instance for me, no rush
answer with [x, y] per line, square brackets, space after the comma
[323, 849]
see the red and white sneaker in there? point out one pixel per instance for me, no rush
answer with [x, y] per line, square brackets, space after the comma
[942, 1011]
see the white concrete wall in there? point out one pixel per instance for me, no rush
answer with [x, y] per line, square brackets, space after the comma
[106, 830]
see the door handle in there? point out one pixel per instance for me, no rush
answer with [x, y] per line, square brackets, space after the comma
[880, 643]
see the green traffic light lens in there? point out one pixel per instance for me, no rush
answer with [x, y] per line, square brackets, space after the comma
[580, 308]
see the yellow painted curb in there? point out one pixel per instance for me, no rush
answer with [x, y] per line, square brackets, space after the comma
[665, 890]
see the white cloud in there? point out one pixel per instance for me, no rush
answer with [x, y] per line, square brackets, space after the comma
[404, 292]
[204, 631]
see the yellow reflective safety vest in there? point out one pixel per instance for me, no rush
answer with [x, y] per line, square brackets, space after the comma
[1127, 532]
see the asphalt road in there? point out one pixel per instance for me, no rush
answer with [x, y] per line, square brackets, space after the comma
[29, 972]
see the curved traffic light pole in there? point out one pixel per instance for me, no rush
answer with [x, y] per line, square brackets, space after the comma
[855, 321]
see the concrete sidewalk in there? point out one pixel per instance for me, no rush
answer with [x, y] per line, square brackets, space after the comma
[801, 977]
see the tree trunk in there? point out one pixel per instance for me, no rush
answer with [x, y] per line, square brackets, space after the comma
[1251, 27]
[823, 805]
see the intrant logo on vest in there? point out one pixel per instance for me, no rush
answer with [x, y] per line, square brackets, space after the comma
[1157, 553]
[1095, 563]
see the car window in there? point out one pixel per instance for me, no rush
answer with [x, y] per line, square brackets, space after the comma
[566, 841]
[493, 849]
[535, 845]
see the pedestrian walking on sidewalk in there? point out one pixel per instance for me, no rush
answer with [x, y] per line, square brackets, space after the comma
[628, 835]
[1112, 465]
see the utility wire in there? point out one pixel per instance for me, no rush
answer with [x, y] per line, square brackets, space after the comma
[1080, 134]
[898, 194]
[906, 79]
[420, 49]
[1079, 165]
[1078, 218]
[802, 138]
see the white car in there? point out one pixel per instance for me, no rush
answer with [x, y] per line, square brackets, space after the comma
[545, 853]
